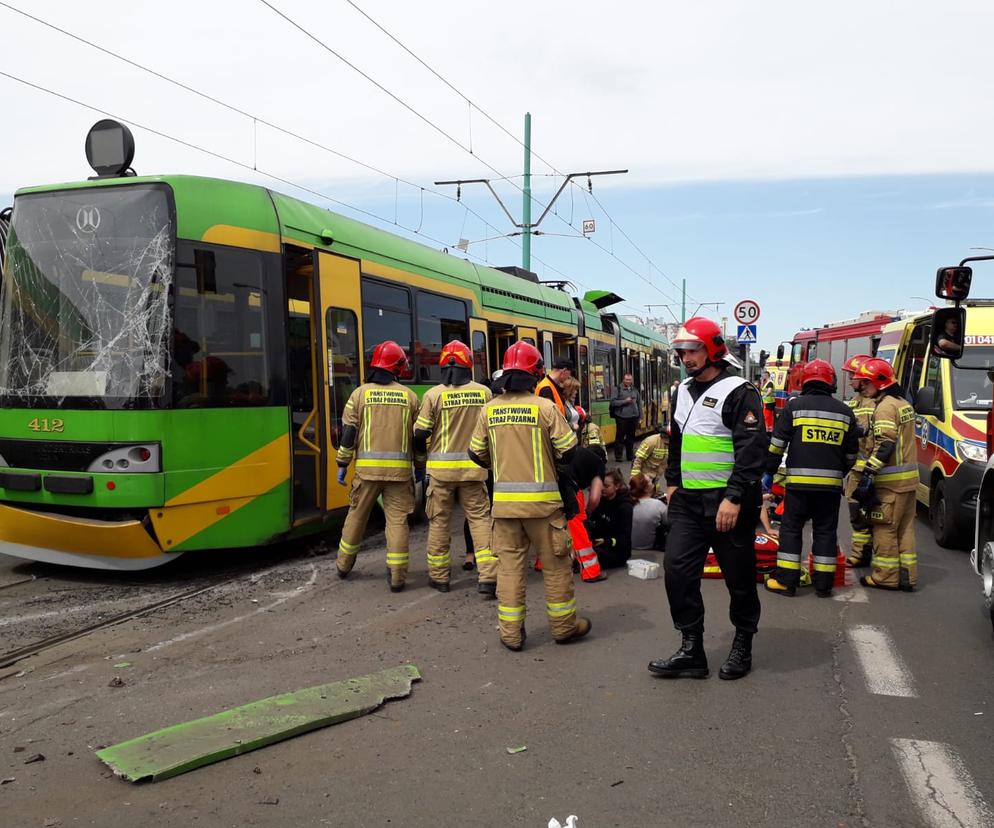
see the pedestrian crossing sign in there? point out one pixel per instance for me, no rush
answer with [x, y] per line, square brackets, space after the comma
[746, 335]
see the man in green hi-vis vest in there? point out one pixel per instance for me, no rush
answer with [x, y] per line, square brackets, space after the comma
[718, 448]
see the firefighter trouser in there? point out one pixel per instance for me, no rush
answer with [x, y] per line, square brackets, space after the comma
[442, 498]
[822, 509]
[769, 418]
[398, 503]
[590, 567]
[511, 539]
[692, 533]
[862, 535]
[895, 562]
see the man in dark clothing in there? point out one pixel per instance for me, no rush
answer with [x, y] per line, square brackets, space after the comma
[823, 441]
[718, 448]
[626, 409]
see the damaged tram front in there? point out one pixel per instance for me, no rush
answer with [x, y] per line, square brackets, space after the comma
[140, 412]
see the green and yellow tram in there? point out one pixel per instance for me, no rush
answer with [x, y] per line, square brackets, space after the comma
[175, 354]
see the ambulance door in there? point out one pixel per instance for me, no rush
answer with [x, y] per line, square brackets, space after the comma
[338, 308]
[478, 342]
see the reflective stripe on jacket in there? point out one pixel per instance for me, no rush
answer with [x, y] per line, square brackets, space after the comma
[650, 459]
[383, 417]
[522, 437]
[707, 452]
[449, 413]
[819, 435]
[894, 421]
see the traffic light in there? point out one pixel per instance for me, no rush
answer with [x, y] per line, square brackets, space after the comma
[763, 356]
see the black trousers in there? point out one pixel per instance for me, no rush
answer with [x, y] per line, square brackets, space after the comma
[692, 533]
[625, 435]
[822, 509]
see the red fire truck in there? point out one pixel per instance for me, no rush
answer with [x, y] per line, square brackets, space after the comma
[834, 342]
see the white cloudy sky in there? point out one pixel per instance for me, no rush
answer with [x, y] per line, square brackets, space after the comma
[720, 91]
[672, 90]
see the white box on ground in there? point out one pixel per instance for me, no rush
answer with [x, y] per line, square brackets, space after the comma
[640, 568]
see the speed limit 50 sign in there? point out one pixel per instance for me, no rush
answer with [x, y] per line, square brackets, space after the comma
[746, 312]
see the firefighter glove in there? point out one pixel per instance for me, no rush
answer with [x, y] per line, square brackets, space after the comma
[342, 471]
[419, 474]
[767, 482]
[865, 494]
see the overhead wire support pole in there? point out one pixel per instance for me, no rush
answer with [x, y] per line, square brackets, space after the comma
[527, 227]
[526, 197]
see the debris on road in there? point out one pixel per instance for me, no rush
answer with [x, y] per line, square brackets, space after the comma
[190, 745]
[270, 800]
[117, 681]
[122, 665]
[38, 757]
[520, 749]
[7, 780]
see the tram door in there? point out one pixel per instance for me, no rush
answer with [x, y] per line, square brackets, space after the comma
[338, 307]
[478, 335]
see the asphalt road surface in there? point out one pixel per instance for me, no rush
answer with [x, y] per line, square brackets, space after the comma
[869, 709]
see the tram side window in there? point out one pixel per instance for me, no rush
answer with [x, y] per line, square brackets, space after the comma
[343, 364]
[219, 329]
[441, 319]
[603, 374]
[584, 378]
[386, 314]
[480, 373]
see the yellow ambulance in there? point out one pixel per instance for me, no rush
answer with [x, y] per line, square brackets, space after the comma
[951, 406]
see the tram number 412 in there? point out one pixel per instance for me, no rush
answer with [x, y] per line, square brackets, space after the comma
[47, 425]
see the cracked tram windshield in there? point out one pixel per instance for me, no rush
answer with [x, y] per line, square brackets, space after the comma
[84, 304]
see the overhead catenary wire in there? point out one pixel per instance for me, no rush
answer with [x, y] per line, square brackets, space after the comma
[255, 118]
[547, 163]
[214, 154]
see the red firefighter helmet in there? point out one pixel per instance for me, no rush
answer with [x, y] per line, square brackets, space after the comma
[456, 353]
[524, 357]
[852, 364]
[877, 371]
[699, 332]
[818, 370]
[389, 356]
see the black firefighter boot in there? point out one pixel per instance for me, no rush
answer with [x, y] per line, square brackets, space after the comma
[690, 661]
[739, 661]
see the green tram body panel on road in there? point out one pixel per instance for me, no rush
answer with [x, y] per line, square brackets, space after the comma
[185, 747]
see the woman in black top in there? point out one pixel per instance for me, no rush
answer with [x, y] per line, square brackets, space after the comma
[611, 522]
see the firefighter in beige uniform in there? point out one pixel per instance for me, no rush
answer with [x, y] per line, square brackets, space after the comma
[862, 406]
[378, 433]
[890, 479]
[523, 437]
[651, 457]
[449, 413]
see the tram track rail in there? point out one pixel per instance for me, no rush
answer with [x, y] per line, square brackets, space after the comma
[12, 657]
[18, 583]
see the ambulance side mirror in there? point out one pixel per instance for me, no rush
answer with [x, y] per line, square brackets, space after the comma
[948, 332]
[925, 401]
[953, 283]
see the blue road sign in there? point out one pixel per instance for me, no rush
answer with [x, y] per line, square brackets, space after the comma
[746, 335]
